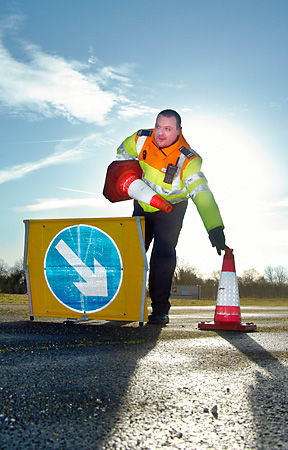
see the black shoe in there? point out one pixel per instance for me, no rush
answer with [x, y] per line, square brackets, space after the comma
[160, 319]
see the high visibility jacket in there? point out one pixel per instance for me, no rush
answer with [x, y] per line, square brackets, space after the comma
[173, 173]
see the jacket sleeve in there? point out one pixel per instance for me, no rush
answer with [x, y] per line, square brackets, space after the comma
[127, 150]
[198, 189]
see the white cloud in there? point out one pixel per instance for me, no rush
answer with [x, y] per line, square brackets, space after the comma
[76, 190]
[60, 203]
[172, 85]
[129, 111]
[110, 73]
[50, 86]
[97, 202]
[19, 171]
[60, 156]
[39, 85]
[10, 23]
[283, 203]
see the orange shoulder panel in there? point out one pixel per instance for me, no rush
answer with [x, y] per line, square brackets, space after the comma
[160, 158]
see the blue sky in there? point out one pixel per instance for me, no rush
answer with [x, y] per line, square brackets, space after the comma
[76, 78]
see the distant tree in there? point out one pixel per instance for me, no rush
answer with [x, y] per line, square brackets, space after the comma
[251, 284]
[269, 274]
[17, 278]
[250, 276]
[281, 275]
[209, 286]
[186, 274]
[3, 275]
[277, 281]
[3, 267]
[216, 274]
[12, 280]
[276, 275]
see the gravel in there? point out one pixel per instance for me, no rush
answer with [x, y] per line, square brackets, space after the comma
[115, 386]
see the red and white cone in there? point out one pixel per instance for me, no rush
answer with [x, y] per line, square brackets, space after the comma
[133, 186]
[227, 313]
[123, 182]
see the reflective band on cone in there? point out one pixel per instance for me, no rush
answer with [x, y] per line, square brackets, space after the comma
[227, 313]
[132, 185]
[228, 304]
[125, 182]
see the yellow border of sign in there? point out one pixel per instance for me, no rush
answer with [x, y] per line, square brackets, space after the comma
[127, 233]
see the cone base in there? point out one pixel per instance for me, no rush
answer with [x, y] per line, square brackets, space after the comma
[116, 171]
[250, 326]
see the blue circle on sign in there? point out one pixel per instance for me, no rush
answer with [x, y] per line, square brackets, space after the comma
[83, 268]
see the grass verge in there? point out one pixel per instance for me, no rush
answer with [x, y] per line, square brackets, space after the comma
[23, 298]
[243, 302]
[13, 298]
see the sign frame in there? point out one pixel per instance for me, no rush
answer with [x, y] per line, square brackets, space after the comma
[129, 304]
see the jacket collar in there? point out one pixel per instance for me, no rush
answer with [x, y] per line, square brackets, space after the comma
[179, 142]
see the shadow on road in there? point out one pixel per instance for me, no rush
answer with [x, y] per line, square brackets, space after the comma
[268, 393]
[63, 386]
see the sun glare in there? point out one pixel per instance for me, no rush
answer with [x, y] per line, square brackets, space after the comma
[241, 177]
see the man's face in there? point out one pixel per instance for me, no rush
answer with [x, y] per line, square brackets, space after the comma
[166, 131]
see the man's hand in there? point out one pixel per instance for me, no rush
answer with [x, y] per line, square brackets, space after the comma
[217, 239]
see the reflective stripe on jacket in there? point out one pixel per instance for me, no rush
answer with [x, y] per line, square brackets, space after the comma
[173, 173]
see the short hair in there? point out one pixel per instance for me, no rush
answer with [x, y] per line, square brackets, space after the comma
[171, 113]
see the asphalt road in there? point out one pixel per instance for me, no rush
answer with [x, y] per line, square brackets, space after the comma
[113, 385]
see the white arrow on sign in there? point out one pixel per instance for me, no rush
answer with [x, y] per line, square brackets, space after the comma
[95, 282]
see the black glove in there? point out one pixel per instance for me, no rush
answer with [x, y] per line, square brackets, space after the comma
[217, 239]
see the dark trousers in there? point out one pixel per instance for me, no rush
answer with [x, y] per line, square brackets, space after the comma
[165, 229]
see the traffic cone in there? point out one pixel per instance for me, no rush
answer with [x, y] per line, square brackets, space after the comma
[227, 313]
[123, 182]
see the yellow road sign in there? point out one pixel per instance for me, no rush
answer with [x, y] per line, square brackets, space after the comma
[86, 268]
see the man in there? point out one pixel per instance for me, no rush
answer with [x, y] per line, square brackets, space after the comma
[172, 169]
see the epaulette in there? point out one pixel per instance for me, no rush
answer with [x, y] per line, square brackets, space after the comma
[144, 133]
[188, 152]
